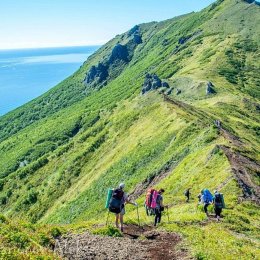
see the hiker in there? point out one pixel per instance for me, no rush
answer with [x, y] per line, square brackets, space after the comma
[117, 204]
[206, 200]
[217, 123]
[159, 207]
[199, 198]
[219, 204]
[187, 194]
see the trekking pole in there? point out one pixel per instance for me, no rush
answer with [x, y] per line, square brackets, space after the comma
[168, 215]
[138, 216]
[107, 217]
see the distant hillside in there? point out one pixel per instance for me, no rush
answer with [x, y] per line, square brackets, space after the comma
[171, 104]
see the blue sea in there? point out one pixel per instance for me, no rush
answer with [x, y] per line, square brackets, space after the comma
[27, 73]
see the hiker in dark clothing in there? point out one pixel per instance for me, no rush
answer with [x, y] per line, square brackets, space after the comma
[199, 198]
[219, 204]
[124, 200]
[159, 207]
[205, 207]
[187, 194]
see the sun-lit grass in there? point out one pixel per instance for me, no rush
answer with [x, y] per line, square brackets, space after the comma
[61, 152]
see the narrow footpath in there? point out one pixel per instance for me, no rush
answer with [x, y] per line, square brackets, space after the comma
[137, 243]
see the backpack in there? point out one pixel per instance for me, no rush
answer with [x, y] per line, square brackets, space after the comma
[219, 201]
[207, 196]
[150, 201]
[186, 193]
[116, 203]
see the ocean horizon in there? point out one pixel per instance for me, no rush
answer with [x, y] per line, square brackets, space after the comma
[28, 73]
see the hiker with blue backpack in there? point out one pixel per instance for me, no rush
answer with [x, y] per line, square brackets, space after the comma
[206, 199]
[118, 199]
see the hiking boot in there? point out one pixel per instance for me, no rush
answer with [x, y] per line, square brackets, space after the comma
[122, 230]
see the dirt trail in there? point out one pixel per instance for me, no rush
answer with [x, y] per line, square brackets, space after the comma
[243, 168]
[137, 243]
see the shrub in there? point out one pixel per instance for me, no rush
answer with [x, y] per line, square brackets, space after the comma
[3, 200]
[32, 198]
[55, 232]
[1, 185]
[200, 256]
[108, 231]
[44, 239]
[3, 219]
[19, 239]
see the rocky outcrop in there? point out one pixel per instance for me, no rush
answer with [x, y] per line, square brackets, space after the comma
[151, 82]
[134, 30]
[252, 2]
[119, 52]
[165, 85]
[183, 39]
[113, 65]
[189, 37]
[96, 74]
[165, 42]
[249, 1]
[210, 88]
[137, 39]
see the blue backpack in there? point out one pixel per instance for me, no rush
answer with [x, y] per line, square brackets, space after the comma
[207, 196]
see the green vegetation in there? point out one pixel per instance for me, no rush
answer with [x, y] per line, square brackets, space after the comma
[22, 240]
[61, 152]
[108, 231]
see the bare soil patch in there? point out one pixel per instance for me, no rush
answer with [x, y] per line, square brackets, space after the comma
[137, 243]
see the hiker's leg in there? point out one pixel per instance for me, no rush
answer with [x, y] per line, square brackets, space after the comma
[121, 221]
[156, 217]
[206, 208]
[122, 213]
[117, 218]
[159, 216]
[218, 212]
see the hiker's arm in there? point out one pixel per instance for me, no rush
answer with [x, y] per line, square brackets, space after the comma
[130, 202]
[162, 205]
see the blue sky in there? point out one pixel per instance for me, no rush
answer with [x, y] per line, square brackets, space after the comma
[46, 23]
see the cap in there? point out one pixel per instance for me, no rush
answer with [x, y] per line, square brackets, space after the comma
[121, 185]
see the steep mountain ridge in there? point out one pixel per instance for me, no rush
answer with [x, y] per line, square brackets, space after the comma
[60, 152]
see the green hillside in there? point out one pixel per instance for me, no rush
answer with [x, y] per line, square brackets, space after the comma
[144, 110]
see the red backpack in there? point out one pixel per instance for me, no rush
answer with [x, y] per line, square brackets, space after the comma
[150, 201]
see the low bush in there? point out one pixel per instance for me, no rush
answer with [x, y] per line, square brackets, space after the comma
[108, 231]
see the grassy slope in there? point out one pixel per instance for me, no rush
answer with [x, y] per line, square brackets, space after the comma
[127, 137]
